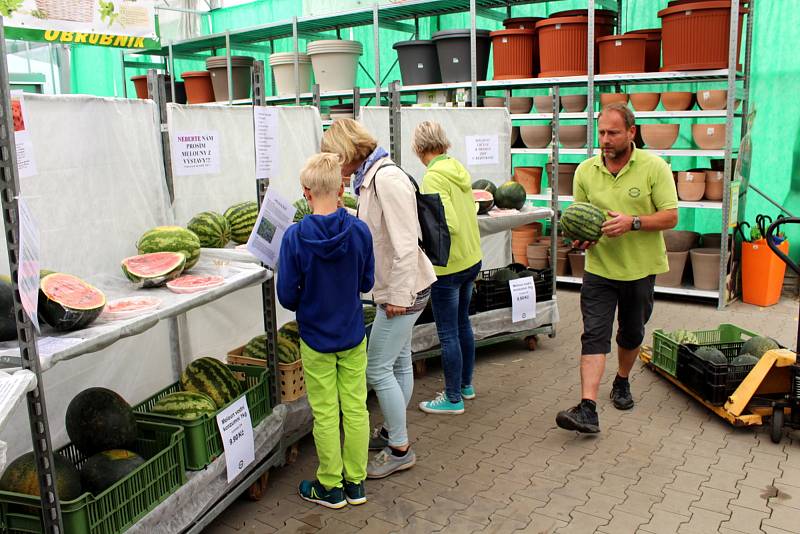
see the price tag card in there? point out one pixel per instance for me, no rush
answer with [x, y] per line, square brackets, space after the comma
[237, 437]
[523, 299]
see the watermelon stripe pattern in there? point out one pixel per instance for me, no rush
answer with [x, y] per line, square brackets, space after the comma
[171, 239]
[241, 219]
[510, 195]
[212, 228]
[213, 378]
[582, 221]
[303, 209]
[154, 269]
[185, 405]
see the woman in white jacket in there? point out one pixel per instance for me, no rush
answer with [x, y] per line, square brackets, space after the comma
[403, 276]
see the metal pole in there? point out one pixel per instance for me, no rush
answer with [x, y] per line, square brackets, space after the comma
[172, 75]
[376, 49]
[356, 102]
[229, 72]
[156, 90]
[590, 84]
[395, 143]
[473, 60]
[296, 63]
[554, 183]
[748, 50]
[124, 74]
[37, 409]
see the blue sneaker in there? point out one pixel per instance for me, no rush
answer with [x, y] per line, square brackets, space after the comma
[441, 404]
[313, 491]
[355, 493]
[467, 392]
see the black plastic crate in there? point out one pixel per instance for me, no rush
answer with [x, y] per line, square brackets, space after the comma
[494, 295]
[714, 382]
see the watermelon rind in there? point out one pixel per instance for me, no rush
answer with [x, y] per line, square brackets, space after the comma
[483, 199]
[303, 208]
[171, 239]
[66, 315]
[212, 229]
[143, 279]
[242, 218]
[485, 185]
[20, 476]
[504, 275]
[510, 195]
[213, 378]
[106, 468]
[582, 221]
[8, 322]
[185, 405]
[758, 346]
[99, 419]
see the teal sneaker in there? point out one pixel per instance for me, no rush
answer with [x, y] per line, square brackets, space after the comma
[355, 493]
[441, 404]
[313, 491]
[467, 392]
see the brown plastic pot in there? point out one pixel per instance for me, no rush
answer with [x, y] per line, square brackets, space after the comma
[572, 136]
[526, 23]
[529, 178]
[691, 191]
[538, 250]
[544, 104]
[644, 101]
[514, 135]
[677, 100]
[620, 54]
[574, 103]
[519, 104]
[198, 86]
[563, 42]
[709, 136]
[695, 35]
[660, 136]
[652, 54]
[697, 177]
[677, 263]
[713, 240]
[577, 261]
[613, 98]
[713, 99]
[705, 267]
[714, 190]
[513, 53]
[240, 76]
[536, 136]
[681, 240]
[566, 173]
[538, 263]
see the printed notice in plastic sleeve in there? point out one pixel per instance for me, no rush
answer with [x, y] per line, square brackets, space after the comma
[274, 218]
[195, 153]
[236, 430]
[28, 272]
[523, 299]
[483, 149]
[267, 139]
[26, 164]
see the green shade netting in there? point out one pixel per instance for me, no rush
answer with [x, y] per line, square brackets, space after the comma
[775, 74]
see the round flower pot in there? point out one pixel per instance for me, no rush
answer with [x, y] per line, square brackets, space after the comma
[577, 260]
[714, 190]
[660, 136]
[335, 63]
[526, 23]
[566, 173]
[538, 250]
[240, 76]
[681, 240]
[519, 104]
[513, 53]
[453, 49]
[538, 136]
[574, 103]
[713, 240]
[691, 191]
[677, 263]
[677, 100]
[198, 86]
[652, 53]
[514, 135]
[705, 267]
[140, 84]
[563, 42]
[697, 177]
[714, 99]
[530, 178]
[621, 54]
[282, 65]
[572, 136]
[644, 101]
[613, 98]
[709, 136]
[538, 263]
[521, 237]
[419, 62]
[544, 104]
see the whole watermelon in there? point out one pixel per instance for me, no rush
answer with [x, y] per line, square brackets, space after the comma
[504, 275]
[212, 229]
[711, 355]
[369, 314]
[171, 239]
[8, 324]
[256, 348]
[510, 195]
[744, 359]
[185, 405]
[582, 221]
[20, 476]
[485, 185]
[99, 419]
[106, 468]
[242, 218]
[303, 208]
[350, 201]
[213, 378]
[758, 346]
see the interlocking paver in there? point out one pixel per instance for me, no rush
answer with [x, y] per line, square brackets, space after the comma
[440, 510]
[560, 507]
[581, 523]
[783, 517]
[744, 519]
[541, 524]
[622, 522]
[399, 513]
[664, 522]
[461, 525]
[480, 510]
[703, 521]
[417, 525]
[753, 498]
[499, 524]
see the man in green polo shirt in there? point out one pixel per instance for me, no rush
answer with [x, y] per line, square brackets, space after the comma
[636, 191]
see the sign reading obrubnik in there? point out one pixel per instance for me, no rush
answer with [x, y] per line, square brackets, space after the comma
[110, 23]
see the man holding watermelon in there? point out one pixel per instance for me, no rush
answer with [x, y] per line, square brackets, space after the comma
[636, 194]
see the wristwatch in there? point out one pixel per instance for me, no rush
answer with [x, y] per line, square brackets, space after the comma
[637, 223]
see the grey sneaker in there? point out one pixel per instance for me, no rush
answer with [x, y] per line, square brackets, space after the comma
[385, 463]
[379, 439]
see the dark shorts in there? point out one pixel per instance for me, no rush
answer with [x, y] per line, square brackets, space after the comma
[600, 297]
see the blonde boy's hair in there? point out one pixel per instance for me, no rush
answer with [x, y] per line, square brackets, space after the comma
[322, 174]
[350, 140]
[429, 137]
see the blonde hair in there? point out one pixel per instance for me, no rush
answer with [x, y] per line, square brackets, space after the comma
[429, 137]
[350, 140]
[322, 174]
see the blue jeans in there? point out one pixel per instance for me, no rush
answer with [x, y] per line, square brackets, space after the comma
[450, 296]
[389, 370]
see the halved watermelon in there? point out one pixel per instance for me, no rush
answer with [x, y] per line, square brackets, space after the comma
[154, 269]
[483, 199]
[190, 283]
[68, 303]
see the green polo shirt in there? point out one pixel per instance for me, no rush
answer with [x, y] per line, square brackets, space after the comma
[642, 187]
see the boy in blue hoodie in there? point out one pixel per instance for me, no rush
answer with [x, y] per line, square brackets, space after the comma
[325, 263]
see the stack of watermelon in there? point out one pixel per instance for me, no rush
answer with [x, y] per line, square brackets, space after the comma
[241, 219]
[288, 345]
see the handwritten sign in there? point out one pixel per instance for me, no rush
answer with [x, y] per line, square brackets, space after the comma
[236, 430]
[523, 299]
[483, 149]
[195, 153]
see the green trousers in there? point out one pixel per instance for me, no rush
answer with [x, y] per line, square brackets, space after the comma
[337, 382]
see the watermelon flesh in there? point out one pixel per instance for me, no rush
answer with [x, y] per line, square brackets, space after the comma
[154, 269]
[68, 303]
[483, 199]
[190, 283]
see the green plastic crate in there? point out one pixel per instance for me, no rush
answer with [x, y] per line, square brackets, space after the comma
[665, 349]
[203, 442]
[119, 507]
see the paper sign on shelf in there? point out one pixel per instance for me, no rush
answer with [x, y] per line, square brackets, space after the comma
[26, 164]
[523, 299]
[483, 149]
[267, 140]
[236, 430]
[28, 270]
[195, 153]
[274, 218]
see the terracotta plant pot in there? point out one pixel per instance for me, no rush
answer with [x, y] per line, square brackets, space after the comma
[577, 260]
[677, 263]
[513, 53]
[574, 103]
[681, 240]
[644, 101]
[563, 42]
[572, 136]
[537, 250]
[660, 136]
[538, 136]
[713, 240]
[140, 84]
[697, 177]
[709, 136]
[712, 99]
[714, 176]
[526, 23]
[530, 178]
[521, 237]
[493, 102]
[538, 263]
[566, 173]
[652, 59]
[613, 98]
[620, 54]
[705, 267]
[514, 135]
[677, 100]
[199, 89]
[691, 191]
[519, 104]
[714, 190]
[544, 104]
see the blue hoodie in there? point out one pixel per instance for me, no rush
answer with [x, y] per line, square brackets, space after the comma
[325, 263]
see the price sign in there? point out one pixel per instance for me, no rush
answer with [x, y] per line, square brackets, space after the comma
[237, 437]
[523, 299]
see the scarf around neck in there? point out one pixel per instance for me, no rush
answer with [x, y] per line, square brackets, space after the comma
[377, 154]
